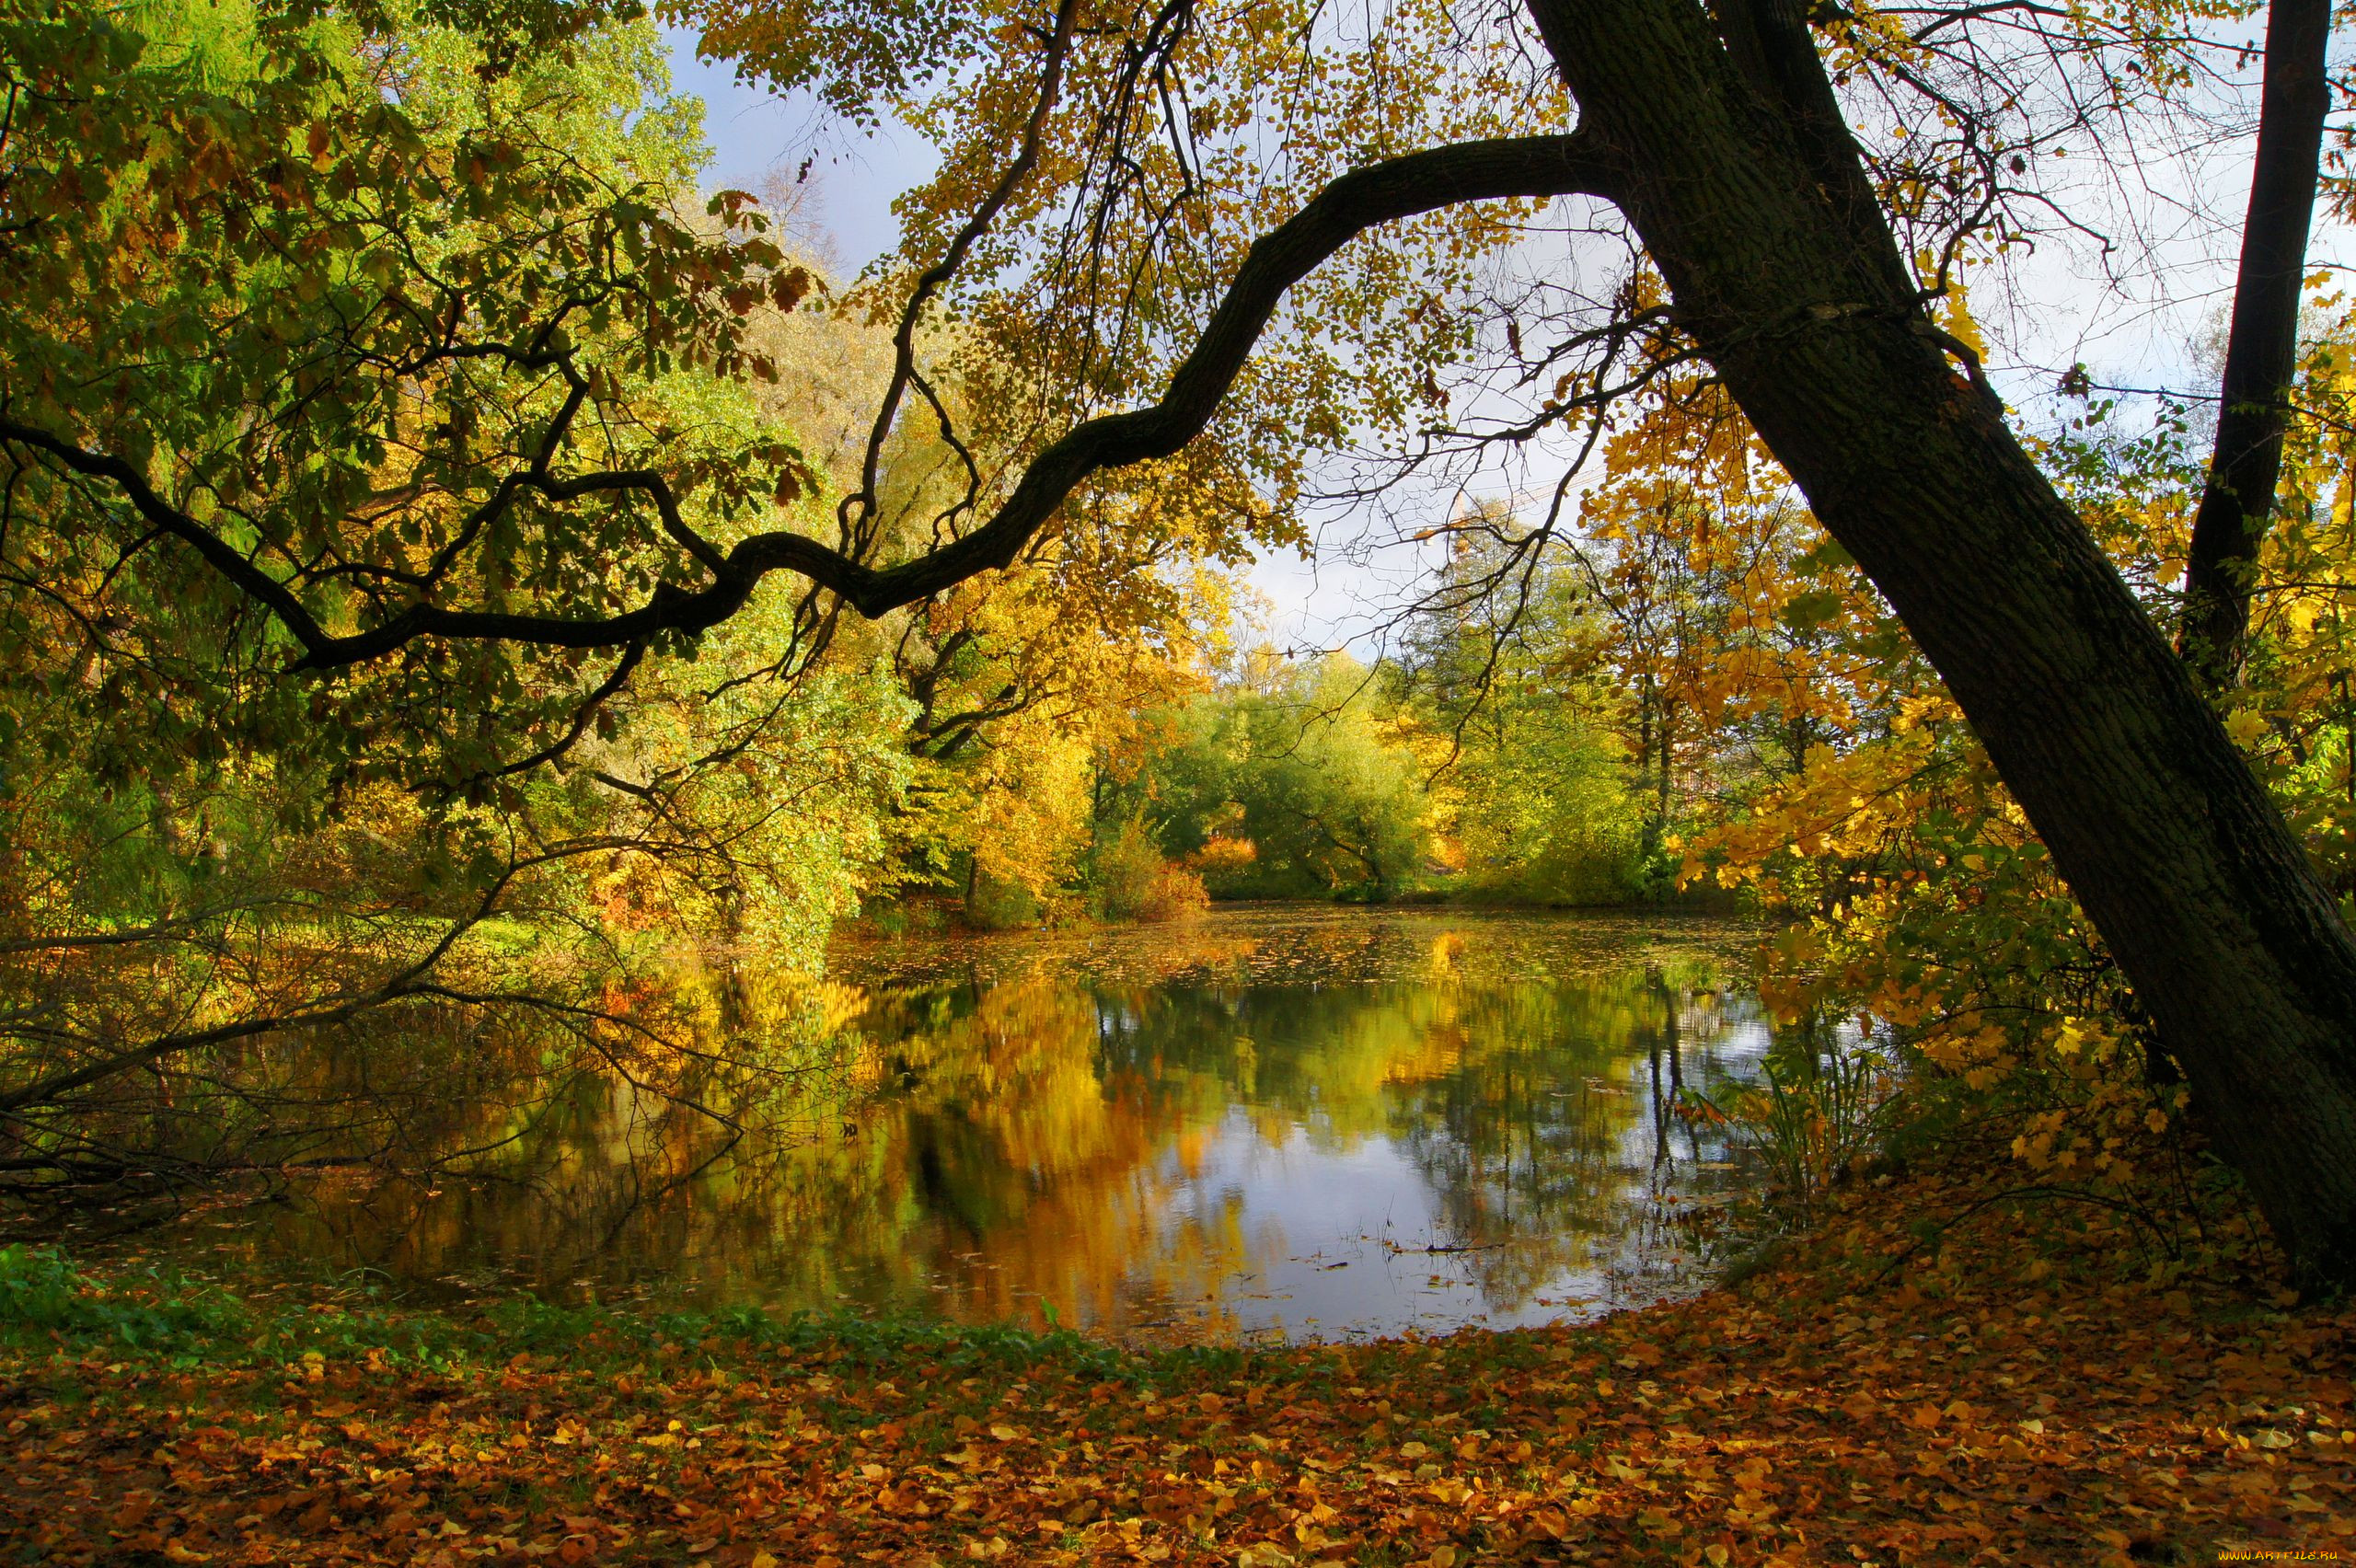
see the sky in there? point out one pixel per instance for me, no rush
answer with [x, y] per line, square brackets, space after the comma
[754, 133]
[2144, 334]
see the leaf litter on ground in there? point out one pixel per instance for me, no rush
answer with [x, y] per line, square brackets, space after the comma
[2020, 1386]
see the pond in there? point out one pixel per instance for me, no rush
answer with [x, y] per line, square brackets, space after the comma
[1273, 1121]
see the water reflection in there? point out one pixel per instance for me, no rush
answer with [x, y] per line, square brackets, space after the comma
[1312, 1123]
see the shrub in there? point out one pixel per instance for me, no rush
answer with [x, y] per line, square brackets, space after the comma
[1135, 881]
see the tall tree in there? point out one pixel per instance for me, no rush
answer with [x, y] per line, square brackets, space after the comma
[1752, 198]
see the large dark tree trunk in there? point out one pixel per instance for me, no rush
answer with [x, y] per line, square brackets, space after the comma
[1738, 172]
[2262, 346]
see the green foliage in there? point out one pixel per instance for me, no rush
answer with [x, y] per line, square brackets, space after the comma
[138, 1311]
[800, 815]
[377, 303]
[1502, 659]
[41, 1293]
[360, 317]
[995, 904]
[1133, 881]
[1545, 814]
[1311, 766]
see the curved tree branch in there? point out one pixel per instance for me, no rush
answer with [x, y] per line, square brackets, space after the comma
[1397, 188]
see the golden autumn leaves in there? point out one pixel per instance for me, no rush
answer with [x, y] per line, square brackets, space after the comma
[2024, 1391]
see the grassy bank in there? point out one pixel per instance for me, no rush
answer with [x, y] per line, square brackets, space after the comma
[1936, 1376]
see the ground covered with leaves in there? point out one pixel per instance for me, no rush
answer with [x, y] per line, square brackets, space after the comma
[1939, 1375]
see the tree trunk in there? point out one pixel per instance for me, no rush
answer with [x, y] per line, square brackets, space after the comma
[1750, 196]
[2262, 347]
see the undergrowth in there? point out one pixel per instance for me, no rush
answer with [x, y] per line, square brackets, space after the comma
[143, 1310]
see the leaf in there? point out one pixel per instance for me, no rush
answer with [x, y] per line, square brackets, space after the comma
[790, 287]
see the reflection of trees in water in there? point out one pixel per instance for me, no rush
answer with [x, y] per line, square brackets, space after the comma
[1527, 1147]
[1030, 1140]
[533, 1144]
[1511, 1097]
[987, 1167]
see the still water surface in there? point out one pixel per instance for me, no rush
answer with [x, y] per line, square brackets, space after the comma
[1277, 1121]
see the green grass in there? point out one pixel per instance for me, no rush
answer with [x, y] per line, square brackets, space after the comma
[143, 1312]
[42, 1295]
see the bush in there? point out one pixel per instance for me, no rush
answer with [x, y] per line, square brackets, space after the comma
[1825, 1104]
[1924, 906]
[1224, 862]
[1135, 881]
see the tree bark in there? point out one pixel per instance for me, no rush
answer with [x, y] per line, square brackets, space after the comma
[2262, 347]
[1749, 204]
